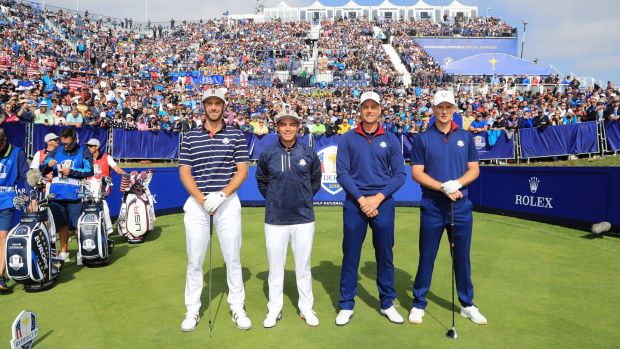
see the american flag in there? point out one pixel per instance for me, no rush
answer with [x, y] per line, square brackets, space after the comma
[31, 71]
[75, 84]
[4, 67]
[228, 80]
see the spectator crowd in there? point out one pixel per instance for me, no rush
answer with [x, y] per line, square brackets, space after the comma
[58, 68]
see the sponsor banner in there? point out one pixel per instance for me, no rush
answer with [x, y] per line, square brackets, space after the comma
[448, 50]
[576, 194]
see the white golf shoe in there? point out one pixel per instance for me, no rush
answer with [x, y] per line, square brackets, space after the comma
[271, 319]
[241, 319]
[416, 315]
[474, 315]
[392, 315]
[190, 322]
[309, 317]
[344, 316]
[64, 256]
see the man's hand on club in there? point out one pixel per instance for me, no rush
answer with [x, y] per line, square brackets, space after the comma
[213, 201]
[450, 187]
[455, 196]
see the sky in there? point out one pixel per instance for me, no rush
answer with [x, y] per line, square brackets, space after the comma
[575, 37]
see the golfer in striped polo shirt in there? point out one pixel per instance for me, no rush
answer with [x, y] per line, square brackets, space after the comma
[213, 163]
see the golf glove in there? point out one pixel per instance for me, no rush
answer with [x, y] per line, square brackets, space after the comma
[450, 187]
[213, 201]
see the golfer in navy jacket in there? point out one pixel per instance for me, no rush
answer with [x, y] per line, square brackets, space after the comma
[370, 169]
[444, 161]
[288, 175]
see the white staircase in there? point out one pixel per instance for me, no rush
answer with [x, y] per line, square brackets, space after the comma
[398, 63]
[57, 30]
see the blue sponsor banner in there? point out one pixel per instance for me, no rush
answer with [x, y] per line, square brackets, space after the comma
[446, 50]
[559, 140]
[134, 144]
[261, 143]
[532, 191]
[84, 134]
[502, 146]
[612, 135]
[16, 133]
[550, 192]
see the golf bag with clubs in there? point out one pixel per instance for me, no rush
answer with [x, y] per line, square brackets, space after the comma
[31, 257]
[137, 215]
[94, 247]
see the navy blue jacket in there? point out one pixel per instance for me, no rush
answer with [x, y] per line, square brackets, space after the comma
[370, 165]
[288, 179]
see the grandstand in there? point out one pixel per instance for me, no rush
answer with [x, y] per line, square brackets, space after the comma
[125, 76]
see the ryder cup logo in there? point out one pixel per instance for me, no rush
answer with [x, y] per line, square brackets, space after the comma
[328, 167]
[88, 245]
[531, 200]
[25, 330]
[16, 262]
[448, 60]
[480, 142]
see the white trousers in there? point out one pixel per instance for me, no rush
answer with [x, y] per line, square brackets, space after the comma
[227, 220]
[277, 238]
[109, 228]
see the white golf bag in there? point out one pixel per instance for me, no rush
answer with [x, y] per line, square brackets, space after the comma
[94, 247]
[137, 215]
[31, 245]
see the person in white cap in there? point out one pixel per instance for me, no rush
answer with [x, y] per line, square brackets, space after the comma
[51, 143]
[445, 161]
[370, 169]
[43, 114]
[213, 163]
[289, 214]
[102, 163]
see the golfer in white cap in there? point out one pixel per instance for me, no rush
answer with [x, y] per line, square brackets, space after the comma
[445, 161]
[288, 176]
[213, 163]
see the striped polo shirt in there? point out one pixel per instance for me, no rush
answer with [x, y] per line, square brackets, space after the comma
[213, 157]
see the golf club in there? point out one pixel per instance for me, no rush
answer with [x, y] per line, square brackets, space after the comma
[210, 268]
[452, 332]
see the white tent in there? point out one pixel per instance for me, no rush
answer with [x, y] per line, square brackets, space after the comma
[458, 9]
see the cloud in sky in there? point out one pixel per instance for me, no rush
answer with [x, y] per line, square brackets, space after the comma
[579, 37]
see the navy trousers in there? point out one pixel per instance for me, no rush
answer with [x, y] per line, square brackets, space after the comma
[355, 225]
[434, 217]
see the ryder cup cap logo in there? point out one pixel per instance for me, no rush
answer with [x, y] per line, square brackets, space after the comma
[328, 167]
[383, 145]
[302, 162]
[16, 262]
[25, 330]
[534, 182]
[88, 245]
[460, 143]
[480, 142]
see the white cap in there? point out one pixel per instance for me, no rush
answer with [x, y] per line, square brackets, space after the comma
[289, 114]
[444, 96]
[93, 141]
[50, 136]
[370, 95]
[214, 92]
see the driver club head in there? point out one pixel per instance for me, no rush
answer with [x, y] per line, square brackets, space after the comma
[452, 333]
